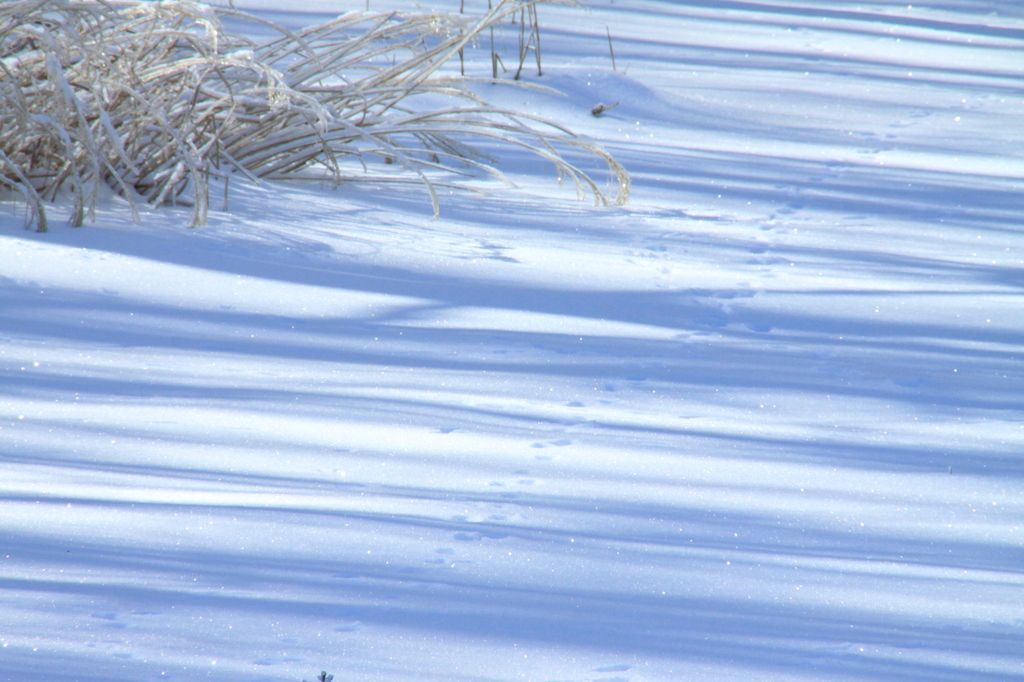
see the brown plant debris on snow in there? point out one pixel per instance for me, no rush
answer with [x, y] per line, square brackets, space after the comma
[153, 100]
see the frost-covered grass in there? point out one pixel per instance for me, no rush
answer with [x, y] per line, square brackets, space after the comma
[153, 99]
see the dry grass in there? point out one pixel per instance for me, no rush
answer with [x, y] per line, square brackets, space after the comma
[153, 99]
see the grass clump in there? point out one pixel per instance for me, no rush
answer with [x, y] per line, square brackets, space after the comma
[324, 676]
[153, 99]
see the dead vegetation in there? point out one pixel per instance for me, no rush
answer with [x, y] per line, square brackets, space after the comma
[157, 101]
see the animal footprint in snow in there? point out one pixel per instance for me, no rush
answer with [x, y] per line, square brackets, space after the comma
[111, 620]
[478, 536]
[621, 668]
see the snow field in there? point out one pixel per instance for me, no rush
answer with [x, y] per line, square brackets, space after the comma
[764, 423]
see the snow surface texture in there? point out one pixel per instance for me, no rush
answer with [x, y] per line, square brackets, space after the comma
[765, 423]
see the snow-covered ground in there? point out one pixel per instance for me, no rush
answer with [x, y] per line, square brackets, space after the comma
[766, 422]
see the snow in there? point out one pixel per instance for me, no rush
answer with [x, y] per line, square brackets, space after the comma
[766, 422]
